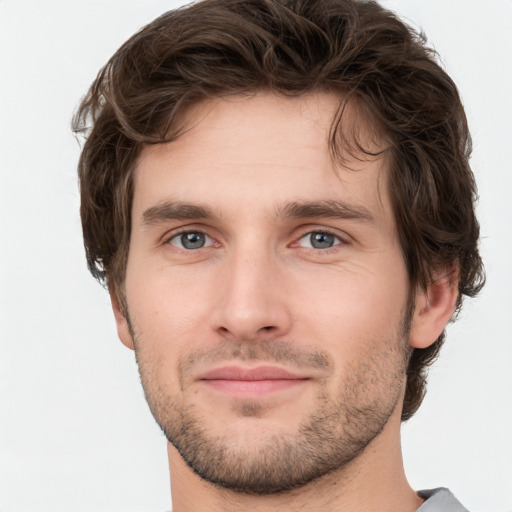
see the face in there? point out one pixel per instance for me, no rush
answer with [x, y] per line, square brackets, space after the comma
[267, 295]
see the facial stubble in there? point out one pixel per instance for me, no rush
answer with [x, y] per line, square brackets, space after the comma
[333, 435]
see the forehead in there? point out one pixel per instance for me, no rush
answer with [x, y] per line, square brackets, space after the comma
[266, 148]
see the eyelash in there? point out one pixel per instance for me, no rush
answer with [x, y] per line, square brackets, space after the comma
[338, 240]
[186, 232]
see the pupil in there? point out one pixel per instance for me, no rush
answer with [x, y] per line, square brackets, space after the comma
[192, 240]
[321, 240]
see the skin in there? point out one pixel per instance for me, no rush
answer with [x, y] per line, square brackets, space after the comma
[257, 293]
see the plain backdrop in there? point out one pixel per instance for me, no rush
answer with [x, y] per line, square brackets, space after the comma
[75, 432]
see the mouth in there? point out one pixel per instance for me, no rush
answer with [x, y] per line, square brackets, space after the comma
[251, 382]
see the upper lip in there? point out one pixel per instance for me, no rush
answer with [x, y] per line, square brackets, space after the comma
[248, 374]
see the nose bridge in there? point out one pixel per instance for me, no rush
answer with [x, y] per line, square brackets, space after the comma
[252, 304]
[248, 273]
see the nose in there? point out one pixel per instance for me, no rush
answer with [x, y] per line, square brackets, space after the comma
[252, 301]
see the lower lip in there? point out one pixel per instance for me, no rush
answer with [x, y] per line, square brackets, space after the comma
[253, 387]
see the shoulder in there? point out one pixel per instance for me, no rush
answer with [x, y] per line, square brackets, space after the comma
[440, 500]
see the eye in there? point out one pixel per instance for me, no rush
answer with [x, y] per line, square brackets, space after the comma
[191, 240]
[319, 240]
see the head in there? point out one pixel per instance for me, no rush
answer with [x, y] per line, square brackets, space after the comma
[387, 101]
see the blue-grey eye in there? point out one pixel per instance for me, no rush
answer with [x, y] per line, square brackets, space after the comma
[191, 240]
[319, 240]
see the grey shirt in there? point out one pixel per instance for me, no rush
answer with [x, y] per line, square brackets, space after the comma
[440, 500]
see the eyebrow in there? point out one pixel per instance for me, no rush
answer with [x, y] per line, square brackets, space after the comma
[330, 209]
[175, 210]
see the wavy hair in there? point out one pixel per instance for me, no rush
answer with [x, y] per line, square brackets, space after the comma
[355, 48]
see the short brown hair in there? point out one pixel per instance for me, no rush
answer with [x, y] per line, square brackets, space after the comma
[292, 47]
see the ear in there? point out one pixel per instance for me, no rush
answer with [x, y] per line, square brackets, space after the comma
[123, 327]
[433, 308]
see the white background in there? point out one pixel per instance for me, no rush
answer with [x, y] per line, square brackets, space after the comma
[75, 432]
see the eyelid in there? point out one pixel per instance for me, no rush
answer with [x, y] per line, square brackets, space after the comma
[209, 242]
[342, 238]
[182, 230]
[308, 235]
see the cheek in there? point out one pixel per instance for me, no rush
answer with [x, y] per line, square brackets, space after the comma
[357, 318]
[354, 304]
[167, 309]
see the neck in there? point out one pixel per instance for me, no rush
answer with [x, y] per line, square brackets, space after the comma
[374, 481]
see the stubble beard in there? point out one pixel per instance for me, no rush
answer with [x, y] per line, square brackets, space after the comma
[335, 433]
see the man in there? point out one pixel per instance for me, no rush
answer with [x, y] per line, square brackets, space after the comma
[277, 194]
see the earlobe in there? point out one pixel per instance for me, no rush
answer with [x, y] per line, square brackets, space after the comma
[123, 327]
[433, 309]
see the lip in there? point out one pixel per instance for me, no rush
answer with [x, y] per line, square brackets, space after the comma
[262, 380]
[250, 374]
